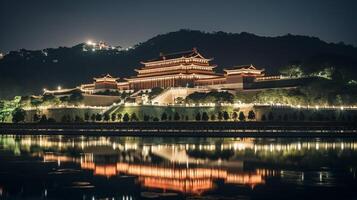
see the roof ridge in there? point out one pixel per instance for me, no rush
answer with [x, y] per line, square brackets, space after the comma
[178, 52]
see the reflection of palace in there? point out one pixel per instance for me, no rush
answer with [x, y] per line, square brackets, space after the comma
[183, 179]
[173, 167]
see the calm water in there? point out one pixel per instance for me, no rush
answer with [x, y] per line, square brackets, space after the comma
[128, 168]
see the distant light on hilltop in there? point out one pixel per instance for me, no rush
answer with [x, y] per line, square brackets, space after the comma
[89, 42]
[94, 46]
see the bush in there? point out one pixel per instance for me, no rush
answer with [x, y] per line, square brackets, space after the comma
[86, 116]
[220, 116]
[205, 116]
[225, 115]
[106, 117]
[92, 117]
[213, 117]
[126, 117]
[78, 119]
[98, 117]
[134, 117]
[36, 117]
[146, 118]
[18, 115]
[43, 119]
[241, 116]
[66, 119]
[251, 115]
[164, 117]
[234, 116]
[198, 117]
[119, 116]
[176, 116]
[113, 117]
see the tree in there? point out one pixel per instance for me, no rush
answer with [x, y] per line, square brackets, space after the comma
[18, 115]
[213, 117]
[220, 116]
[198, 117]
[225, 115]
[43, 119]
[234, 116]
[164, 117]
[205, 116]
[113, 117]
[146, 118]
[126, 117]
[119, 116]
[106, 117]
[241, 116]
[36, 117]
[92, 117]
[134, 117]
[78, 119]
[86, 116]
[270, 116]
[66, 119]
[251, 115]
[98, 117]
[176, 116]
[155, 119]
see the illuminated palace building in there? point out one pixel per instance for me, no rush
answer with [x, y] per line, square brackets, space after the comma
[181, 69]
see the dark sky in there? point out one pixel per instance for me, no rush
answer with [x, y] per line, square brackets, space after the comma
[35, 24]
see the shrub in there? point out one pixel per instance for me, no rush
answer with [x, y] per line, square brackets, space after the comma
[126, 117]
[198, 117]
[241, 116]
[251, 115]
[205, 116]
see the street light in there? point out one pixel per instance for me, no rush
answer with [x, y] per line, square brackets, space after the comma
[59, 88]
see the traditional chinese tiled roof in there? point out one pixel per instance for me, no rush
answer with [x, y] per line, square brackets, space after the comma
[182, 54]
[107, 77]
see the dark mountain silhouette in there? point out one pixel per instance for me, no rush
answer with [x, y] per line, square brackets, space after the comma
[26, 72]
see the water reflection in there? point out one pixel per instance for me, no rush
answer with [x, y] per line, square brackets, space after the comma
[172, 167]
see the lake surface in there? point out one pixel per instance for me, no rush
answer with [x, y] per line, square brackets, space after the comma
[128, 168]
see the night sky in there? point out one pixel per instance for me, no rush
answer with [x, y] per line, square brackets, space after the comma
[34, 24]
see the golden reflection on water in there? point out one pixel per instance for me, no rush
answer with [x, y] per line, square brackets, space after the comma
[184, 166]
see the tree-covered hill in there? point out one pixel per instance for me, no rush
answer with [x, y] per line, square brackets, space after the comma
[26, 72]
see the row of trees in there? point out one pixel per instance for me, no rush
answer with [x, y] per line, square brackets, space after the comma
[87, 118]
[19, 116]
[204, 116]
[301, 116]
[118, 117]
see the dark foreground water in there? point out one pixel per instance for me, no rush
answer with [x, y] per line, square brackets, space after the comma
[128, 168]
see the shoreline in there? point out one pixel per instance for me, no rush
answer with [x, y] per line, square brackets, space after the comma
[187, 129]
